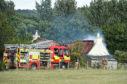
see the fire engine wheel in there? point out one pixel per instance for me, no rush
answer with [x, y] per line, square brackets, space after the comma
[34, 66]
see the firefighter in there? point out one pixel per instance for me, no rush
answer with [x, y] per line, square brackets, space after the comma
[105, 63]
[76, 63]
[8, 60]
[56, 52]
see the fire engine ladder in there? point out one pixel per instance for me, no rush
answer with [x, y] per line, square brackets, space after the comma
[45, 61]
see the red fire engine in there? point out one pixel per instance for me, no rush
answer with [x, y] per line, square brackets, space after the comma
[22, 57]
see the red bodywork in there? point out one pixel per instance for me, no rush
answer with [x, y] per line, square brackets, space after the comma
[55, 61]
[61, 57]
[52, 57]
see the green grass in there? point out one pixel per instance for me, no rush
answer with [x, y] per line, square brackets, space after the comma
[81, 76]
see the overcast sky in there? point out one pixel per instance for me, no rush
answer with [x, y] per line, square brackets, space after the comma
[30, 4]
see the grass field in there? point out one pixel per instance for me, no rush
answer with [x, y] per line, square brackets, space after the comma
[81, 76]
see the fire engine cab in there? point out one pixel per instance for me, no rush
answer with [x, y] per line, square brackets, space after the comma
[20, 56]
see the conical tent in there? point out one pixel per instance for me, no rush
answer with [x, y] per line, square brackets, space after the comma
[99, 48]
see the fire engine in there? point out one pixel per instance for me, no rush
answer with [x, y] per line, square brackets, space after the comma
[20, 56]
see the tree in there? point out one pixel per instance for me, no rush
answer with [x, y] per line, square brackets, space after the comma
[116, 37]
[122, 5]
[7, 7]
[44, 10]
[103, 12]
[7, 31]
[65, 7]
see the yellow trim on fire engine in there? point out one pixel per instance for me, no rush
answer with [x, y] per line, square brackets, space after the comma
[30, 59]
[5, 60]
[56, 57]
[37, 50]
[66, 58]
[60, 60]
[35, 56]
[48, 51]
[52, 60]
[18, 57]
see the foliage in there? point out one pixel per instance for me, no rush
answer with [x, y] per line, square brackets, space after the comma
[44, 10]
[7, 7]
[103, 12]
[65, 7]
[27, 12]
[7, 30]
[116, 37]
[76, 53]
[25, 26]
[2, 66]
[121, 56]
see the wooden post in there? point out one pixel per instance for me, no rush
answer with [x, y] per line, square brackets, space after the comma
[50, 61]
[39, 59]
[68, 65]
[59, 65]
[87, 65]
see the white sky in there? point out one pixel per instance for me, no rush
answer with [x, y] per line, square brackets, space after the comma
[30, 4]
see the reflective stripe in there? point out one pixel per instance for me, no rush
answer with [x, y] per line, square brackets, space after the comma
[52, 60]
[5, 60]
[60, 60]
[18, 55]
[66, 58]
[34, 56]
[30, 59]
[56, 57]
[17, 58]
[37, 50]
[48, 51]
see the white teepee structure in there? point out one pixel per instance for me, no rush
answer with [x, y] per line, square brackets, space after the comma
[98, 49]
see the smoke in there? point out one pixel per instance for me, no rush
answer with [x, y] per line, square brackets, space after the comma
[69, 28]
[93, 35]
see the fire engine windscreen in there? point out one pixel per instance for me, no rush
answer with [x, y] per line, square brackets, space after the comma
[56, 51]
[61, 52]
[66, 52]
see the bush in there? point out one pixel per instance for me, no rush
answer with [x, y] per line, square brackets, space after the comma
[76, 53]
[121, 56]
[2, 66]
[74, 57]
